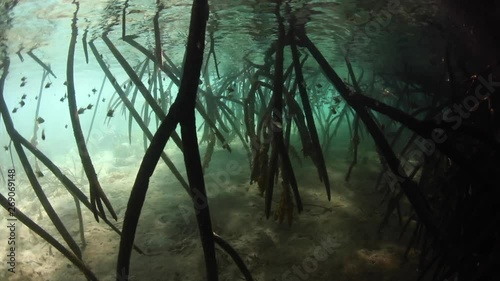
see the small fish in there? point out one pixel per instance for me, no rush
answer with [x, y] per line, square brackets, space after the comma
[336, 99]
[36, 97]
[14, 110]
[103, 99]
[39, 174]
[135, 12]
[387, 93]
[22, 103]
[110, 113]
[61, 99]
[88, 95]
[40, 120]
[230, 89]
[319, 85]
[333, 109]
[81, 110]
[90, 106]
[125, 86]
[43, 134]
[23, 83]
[277, 124]
[66, 126]
[23, 97]
[6, 148]
[23, 78]
[65, 83]
[48, 85]
[94, 90]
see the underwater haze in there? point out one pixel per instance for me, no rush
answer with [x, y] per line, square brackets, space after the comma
[311, 131]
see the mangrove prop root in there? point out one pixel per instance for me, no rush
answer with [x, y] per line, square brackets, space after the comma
[226, 112]
[124, 19]
[156, 25]
[97, 195]
[355, 135]
[249, 116]
[41, 63]
[317, 153]
[52, 241]
[234, 255]
[134, 96]
[152, 57]
[80, 220]
[270, 177]
[214, 128]
[278, 145]
[137, 117]
[84, 44]
[298, 117]
[285, 205]
[138, 83]
[212, 52]
[97, 102]
[140, 187]
[181, 111]
[187, 98]
[67, 183]
[176, 81]
[14, 136]
[209, 151]
[39, 102]
[409, 187]
[210, 107]
[21, 58]
[276, 119]
[355, 144]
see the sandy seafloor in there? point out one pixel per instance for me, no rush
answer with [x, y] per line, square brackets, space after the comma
[168, 233]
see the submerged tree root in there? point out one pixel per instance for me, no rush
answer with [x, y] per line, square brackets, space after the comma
[97, 195]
